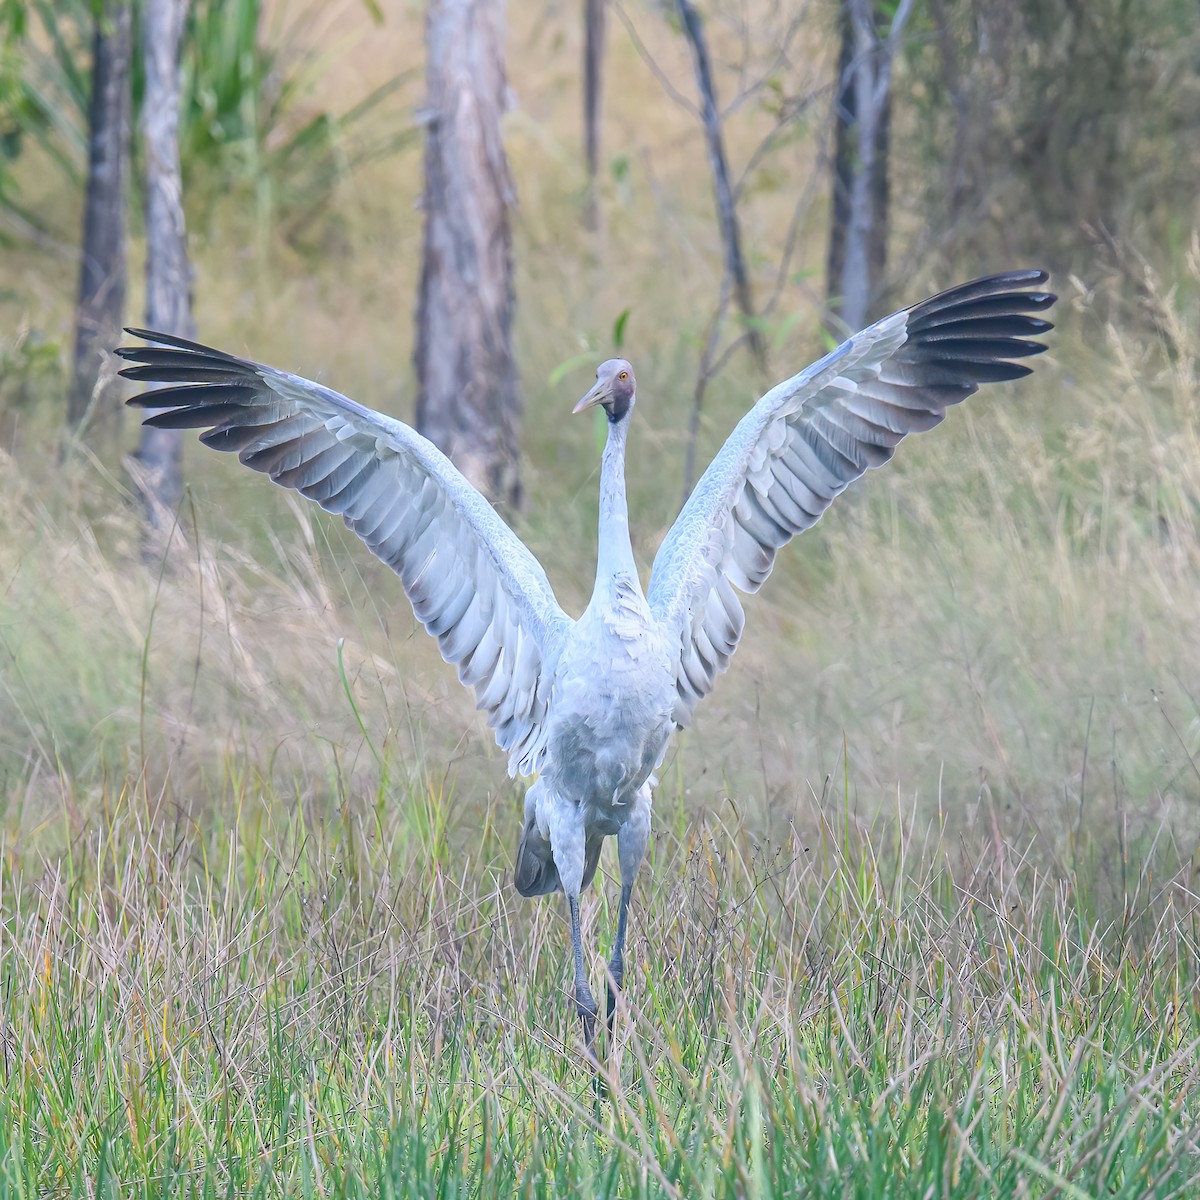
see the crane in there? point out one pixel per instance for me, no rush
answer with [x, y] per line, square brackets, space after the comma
[587, 707]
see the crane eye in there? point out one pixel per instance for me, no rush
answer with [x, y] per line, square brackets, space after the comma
[624, 375]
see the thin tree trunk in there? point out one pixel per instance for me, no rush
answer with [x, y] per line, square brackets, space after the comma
[101, 299]
[168, 273]
[861, 226]
[593, 94]
[844, 120]
[857, 283]
[880, 200]
[735, 265]
[467, 397]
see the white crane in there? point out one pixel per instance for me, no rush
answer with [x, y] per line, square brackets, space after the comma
[588, 706]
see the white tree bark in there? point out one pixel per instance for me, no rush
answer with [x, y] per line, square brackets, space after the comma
[870, 68]
[467, 397]
[168, 272]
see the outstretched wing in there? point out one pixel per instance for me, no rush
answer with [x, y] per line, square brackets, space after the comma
[812, 435]
[471, 580]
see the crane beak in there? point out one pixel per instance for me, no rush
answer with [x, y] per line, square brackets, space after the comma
[601, 391]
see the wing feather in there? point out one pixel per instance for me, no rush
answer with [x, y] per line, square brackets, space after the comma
[471, 581]
[808, 438]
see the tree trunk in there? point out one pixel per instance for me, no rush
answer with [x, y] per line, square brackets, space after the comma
[168, 273]
[844, 120]
[880, 200]
[593, 94]
[858, 230]
[862, 219]
[735, 264]
[102, 268]
[467, 397]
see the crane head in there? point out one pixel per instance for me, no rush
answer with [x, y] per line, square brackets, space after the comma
[615, 389]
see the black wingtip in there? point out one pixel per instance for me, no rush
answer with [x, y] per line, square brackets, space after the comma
[1019, 277]
[167, 339]
[1007, 294]
[968, 335]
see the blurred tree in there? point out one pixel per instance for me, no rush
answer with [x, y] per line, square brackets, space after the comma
[467, 397]
[101, 299]
[1040, 123]
[869, 37]
[593, 92]
[168, 273]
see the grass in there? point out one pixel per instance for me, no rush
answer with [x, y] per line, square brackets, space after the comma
[920, 917]
[279, 1005]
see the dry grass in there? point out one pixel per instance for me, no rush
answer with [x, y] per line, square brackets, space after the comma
[1004, 618]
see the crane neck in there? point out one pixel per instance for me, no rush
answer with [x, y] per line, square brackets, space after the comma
[615, 556]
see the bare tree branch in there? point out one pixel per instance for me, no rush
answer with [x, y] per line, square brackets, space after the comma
[713, 357]
[655, 70]
[780, 59]
[711, 363]
[735, 264]
[703, 376]
[789, 112]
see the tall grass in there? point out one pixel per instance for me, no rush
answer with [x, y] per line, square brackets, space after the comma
[277, 1004]
[1001, 620]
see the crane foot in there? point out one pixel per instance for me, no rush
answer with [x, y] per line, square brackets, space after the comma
[587, 1010]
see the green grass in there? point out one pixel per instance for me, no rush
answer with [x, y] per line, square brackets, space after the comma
[283, 1004]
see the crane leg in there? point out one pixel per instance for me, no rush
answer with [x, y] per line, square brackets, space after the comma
[569, 844]
[585, 1003]
[616, 964]
[632, 840]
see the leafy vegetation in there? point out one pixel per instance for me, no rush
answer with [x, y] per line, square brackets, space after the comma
[1089, 112]
[247, 120]
[247, 116]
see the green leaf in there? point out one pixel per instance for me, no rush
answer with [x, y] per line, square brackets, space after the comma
[619, 329]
